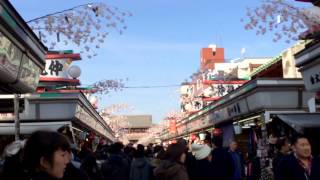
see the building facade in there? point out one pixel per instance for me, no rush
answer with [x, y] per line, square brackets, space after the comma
[21, 52]
[133, 127]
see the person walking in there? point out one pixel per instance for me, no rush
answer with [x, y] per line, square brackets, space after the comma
[222, 161]
[190, 162]
[300, 165]
[203, 167]
[140, 167]
[237, 161]
[283, 149]
[172, 168]
[116, 166]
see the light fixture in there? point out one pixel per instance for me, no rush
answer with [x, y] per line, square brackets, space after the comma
[250, 118]
[202, 136]
[74, 71]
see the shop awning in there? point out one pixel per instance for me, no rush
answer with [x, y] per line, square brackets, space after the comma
[28, 128]
[301, 121]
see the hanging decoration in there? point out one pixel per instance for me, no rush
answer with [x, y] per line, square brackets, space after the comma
[284, 18]
[87, 26]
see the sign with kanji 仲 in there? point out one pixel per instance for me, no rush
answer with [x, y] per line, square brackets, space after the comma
[56, 68]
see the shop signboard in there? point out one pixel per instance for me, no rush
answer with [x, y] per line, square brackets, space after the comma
[194, 125]
[57, 69]
[10, 59]
[84, 117]
[311, 77]
[6, 116]
[229, 111]
[29, 73]
[219, 89]
[207, 121]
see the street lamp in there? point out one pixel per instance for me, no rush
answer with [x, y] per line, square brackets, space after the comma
[74, 71]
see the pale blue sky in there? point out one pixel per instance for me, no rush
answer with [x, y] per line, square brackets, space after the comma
[162, 45]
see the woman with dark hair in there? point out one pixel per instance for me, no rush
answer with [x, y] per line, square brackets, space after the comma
[171, 168]
[45, 155]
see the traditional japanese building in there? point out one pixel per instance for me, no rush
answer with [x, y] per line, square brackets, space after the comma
[22, 57]
[134, 127]
[60, 102]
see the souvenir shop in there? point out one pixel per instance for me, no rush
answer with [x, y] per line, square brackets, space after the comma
[55, 111]
[260, 116]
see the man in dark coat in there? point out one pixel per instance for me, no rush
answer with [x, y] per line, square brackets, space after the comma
[238, 162]
[300, 165]
[222, 161]
[283, 149]
[140, 166]
[116, 167]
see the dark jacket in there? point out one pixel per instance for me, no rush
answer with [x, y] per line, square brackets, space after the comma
[115, 168]
[253, 168]
[290, 169]
[41, 176]
[72, 173]
[191, 165]
[222, 164]
[170, 171]
[204, 170]
[275, 162]
[140, 169]
[238, 164]
[90, 167]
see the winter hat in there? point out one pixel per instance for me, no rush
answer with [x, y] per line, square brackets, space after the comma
[200, 151]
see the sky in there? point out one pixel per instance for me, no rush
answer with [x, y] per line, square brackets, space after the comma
[161, 46]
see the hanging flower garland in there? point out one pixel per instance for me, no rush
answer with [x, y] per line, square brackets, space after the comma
[105, 86]
[86, 26]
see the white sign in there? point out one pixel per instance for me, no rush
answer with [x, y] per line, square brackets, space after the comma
[311, 78]
[56, 68]
[6, 116]
[230, 111]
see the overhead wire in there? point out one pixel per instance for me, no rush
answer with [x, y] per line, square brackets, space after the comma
[147, 87]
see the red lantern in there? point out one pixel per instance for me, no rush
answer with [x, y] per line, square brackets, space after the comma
[217, 132]
[172, 125]
[193, 137]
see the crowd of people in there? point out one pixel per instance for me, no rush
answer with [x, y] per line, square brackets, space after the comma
[48, 155]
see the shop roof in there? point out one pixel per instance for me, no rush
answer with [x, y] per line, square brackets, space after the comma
[299, 122]
[267, 65]
[139, 121]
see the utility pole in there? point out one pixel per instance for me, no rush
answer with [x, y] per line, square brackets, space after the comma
[16, 116]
